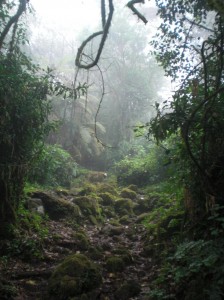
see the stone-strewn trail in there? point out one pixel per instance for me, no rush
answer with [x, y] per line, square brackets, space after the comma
[102, 225]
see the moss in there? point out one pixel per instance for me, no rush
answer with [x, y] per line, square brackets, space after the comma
[57, 208]
[133, 187]
[142, 217]
[128, 290]
[82, 241]
[7, 290]
[108, 199]
[88, 204]
[62, 192]
[114, 222]
[125, 255]
[145, 204]
[93, 220]
[125, 220]
[95, 253]
[108, 211]
[107, 188]
[115, 230]
[124, 206]
[115, 264]
[87, 189]
[128, 193]
[75, 276]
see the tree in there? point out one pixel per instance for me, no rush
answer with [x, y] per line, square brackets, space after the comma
[132, 80]
[24, 111]
[190, 48]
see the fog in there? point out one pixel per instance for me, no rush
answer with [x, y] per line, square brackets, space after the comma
[123, 87]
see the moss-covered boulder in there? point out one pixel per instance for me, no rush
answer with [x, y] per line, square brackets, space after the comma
[128, 193]
[124, 254]
[95, 253]
[107, 199]
[75, 276]
[128, 290]
[107, 188]
[7, 290]
[124, 206]
[115, 264]
[133, 187]
[86, 189]
[82, 241]
[56, 207]
[145, 203]
[88, 204]
[125, 220]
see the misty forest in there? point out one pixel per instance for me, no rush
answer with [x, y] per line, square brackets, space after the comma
[112, 150]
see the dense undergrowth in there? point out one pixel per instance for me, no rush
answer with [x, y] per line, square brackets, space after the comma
[187, 257]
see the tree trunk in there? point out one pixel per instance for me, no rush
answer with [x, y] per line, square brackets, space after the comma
[7, 210]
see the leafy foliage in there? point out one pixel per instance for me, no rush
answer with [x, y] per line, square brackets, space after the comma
[142, 166]
[54, 167]
[188, 46]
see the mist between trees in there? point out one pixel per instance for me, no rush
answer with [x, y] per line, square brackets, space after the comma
[136, 100]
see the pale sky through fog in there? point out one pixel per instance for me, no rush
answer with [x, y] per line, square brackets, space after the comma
[73, 15]
[67, 15]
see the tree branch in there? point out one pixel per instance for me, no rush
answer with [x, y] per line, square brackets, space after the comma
[12, 20]
[100, 49]
[131, 4]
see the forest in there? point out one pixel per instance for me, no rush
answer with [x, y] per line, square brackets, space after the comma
[112, 150]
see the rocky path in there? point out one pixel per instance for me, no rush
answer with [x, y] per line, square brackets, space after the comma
[117, 247]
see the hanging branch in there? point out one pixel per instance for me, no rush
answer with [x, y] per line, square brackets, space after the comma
[131, 4]
[103, 13]
[12, 20]
[104, 34]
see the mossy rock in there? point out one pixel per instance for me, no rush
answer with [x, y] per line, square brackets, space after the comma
[115, 230]
[145, 203]
[125, 220]
[124, 254]
[7, 290]
[87, 189]
[107, 188]
[107, 199]
[115, 264]
[142, 217]
[57, 208]
[128, 290]
[62, 192]
[75, 276]
[128, 193]
[133, 187]
[108, 211]
[82, 241]
[114, 222]
[88, 204]
[95, 253]
[93, 220]
[124, 206]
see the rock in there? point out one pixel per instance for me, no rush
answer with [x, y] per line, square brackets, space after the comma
[82, 241]
[75, 276]
[127, 193]
[128, 290]
[88, 205]
[57, 208]
[124, 206]
[108, 199]
[133, 187]
[107, 188]
[35, 205]
[95, 176]
[115, 264]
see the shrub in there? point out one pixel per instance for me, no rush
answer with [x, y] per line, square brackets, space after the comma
[54, 167]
